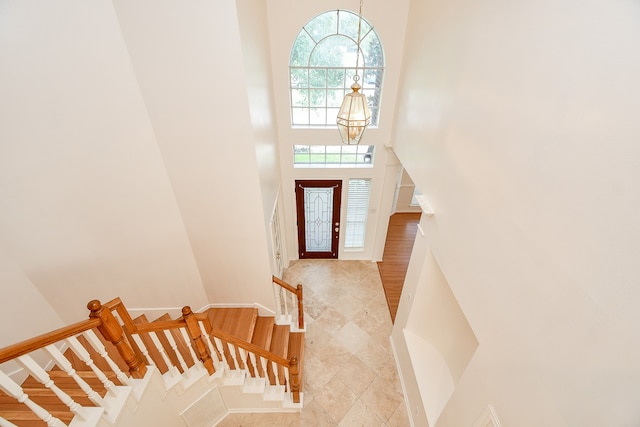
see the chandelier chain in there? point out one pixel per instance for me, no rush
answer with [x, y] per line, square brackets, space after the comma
[359, 29]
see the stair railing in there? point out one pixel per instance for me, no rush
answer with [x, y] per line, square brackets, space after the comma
[53, 344]
[213, 348]
[288, 299]
[240, 355]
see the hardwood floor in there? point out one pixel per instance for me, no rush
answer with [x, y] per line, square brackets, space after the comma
[395, 258]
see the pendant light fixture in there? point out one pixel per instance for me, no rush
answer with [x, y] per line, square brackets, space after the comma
[354, 115]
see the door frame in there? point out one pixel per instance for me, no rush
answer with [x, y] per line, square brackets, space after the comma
[300, 185]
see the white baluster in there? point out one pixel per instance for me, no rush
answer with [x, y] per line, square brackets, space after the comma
[232, 350]
[187, 339]
[83, 354]
[173, 371]
[276, 295]
[263, 363]
[41, 375]
[276, 375]
[14, 390]
[204, 333]
[174, 347]
[283, 296]
[244, 359]
[65, 365]
[102, 351]
[6, 423]
[220, 348]
[286, 379]
[143, 349]
[252, 358]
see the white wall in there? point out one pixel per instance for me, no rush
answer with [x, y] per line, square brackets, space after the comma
[188, 62]
[254, 36]
[518, 121]
[87, 208]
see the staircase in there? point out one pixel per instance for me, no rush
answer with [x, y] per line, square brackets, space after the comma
[189, 371]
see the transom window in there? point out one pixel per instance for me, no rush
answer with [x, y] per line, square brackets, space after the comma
[323, 63]
[333, 156]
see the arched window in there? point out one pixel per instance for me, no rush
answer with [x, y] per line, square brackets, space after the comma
[323, 63]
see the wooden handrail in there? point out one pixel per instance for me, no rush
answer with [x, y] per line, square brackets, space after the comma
[283, 284]
[101, 318]
[117, 305]
[241, 343]
[41, 341]
[298, 292]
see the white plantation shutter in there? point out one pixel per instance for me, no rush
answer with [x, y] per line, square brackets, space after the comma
[357, 210]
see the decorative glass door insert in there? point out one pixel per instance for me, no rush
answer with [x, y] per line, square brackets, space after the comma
[318, 211]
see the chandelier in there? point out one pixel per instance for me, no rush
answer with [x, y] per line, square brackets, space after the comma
[354, 115]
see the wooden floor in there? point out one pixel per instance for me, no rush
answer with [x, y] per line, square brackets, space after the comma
[395, 259]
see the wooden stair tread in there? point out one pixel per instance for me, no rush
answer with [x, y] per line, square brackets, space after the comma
[280, 340]
[263, 332]
[25, 414]
[238, 322]
[20, 414]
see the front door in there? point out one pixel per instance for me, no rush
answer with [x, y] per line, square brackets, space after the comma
[318, 212]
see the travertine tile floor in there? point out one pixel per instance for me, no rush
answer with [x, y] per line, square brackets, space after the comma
[350, 376]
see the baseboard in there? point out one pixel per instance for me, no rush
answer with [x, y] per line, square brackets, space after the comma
[404, 388]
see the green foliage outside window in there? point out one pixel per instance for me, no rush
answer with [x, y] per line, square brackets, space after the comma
[323, 63]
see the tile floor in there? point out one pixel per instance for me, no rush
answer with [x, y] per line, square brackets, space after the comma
[350, 376]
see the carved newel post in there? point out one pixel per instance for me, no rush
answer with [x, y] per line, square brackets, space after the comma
[112, 331]
[195, 333]
[294, 373]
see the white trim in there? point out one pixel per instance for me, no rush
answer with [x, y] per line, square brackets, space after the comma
[488, 418]
[424, 205]
[404, 389]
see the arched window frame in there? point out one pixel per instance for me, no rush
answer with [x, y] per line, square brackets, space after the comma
[319, 83]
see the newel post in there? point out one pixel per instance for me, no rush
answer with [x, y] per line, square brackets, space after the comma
[195, 333]
[112, 331]
[294, 374]
[300, 307]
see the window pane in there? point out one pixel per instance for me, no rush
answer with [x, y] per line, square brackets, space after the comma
[324, 56]
[323, 25]
[318, 97]
[335, 97]
[301, 50]
[332, 52]
[299, 97]
[317, 116]
[333, 156]
[299, 77]
[335, 78]
[318, 77]
[300, 116]
[357, 210]
[372, 50]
